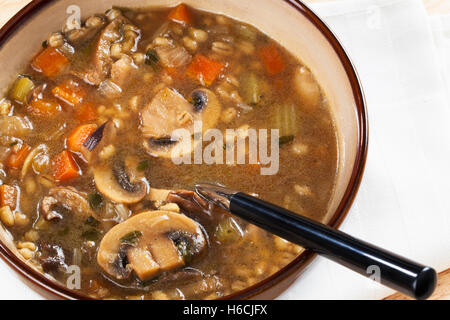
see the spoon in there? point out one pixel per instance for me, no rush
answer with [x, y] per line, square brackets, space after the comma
[401, 274]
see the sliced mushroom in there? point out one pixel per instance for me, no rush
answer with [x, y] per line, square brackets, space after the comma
[148, 244]
[207, 104]
[113, 181]
[168, 112]
[61, 200]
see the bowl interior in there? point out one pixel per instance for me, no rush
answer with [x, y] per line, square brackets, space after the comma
[296, 32]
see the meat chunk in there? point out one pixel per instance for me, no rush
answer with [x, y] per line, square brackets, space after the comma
[86, 32]
[173, 56]
[52, 258]
[102, 56]
[15, 126]
[112, 34]
[65, 199]
[121, 70]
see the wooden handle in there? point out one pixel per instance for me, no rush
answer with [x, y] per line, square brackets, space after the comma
[442, 291]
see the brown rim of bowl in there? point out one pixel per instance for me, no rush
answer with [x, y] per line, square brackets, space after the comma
[303, 259]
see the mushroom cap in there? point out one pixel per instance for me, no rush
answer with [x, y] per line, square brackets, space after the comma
[170, 111]
[210, 107]
[167, 112]
[118, 188]
[166, 150]
[154, 250]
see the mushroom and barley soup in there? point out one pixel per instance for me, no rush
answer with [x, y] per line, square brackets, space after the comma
[86, 175]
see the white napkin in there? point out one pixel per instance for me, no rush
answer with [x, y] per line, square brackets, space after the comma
[403, 59]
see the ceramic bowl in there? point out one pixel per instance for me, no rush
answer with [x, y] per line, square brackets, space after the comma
[289, 22]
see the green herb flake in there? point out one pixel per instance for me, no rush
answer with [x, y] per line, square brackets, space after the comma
[185, 250]
[131, 238]
[12, 144]
[91, 221]
[95, 201]
[91, 235]
[285, 140]
[143, 165]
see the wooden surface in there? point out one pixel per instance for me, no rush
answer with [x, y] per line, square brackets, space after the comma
[9, 7]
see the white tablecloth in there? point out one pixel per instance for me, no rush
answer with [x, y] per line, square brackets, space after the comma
[403, 58]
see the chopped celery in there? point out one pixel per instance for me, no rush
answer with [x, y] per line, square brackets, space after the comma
[95, 201]
[285, 119]
[21, 89]
[251, 88]
[228, 231]
[285, 140]
[246, 32]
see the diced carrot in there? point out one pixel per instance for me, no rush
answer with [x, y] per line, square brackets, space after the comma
[204, 70]
[50, 62]
[43, 108]
[79, 136]
[180, 14]
[8, 196]
[17, 158]
[70, 92]
[85, 112]
[64, 167]
[272, 59]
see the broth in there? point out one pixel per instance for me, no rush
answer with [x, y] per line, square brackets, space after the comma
[86, 149]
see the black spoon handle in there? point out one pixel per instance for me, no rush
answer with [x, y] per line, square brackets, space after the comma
[392, 270]
[396, 272]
